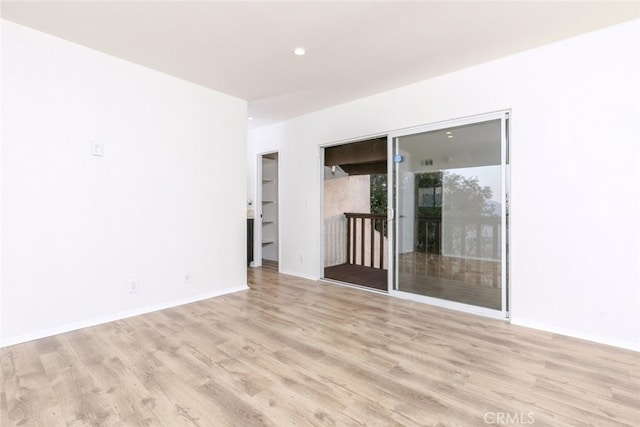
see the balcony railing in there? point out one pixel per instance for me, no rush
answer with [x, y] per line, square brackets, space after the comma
[366, 242]
[335, 240]
[359, 238]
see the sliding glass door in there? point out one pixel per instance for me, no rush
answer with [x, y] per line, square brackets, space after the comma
[450, 200]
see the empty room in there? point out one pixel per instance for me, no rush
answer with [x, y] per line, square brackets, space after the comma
[341, 213]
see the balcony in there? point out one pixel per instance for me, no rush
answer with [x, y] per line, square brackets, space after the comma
[356, 249]
[460, 261]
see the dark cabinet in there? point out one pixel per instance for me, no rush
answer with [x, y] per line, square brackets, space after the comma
[249, 241]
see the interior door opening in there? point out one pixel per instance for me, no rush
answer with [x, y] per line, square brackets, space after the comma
[269, 218]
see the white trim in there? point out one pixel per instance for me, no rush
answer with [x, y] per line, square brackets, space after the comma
[392, 210]
[320, 178]
[278, 210]
[326, 281]
[628, 345]
[301, 276]
[1, 212]
[257, 215]
[1, 206]
[332, 282]
[257, 223]
[444, 124]
[118, 316]
[503, 215]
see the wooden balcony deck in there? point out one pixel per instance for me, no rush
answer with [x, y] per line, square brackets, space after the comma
[375, 278]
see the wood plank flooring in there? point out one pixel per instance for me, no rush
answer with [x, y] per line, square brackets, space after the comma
[291, 351]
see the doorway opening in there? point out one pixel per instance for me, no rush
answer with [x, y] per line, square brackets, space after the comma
[355, 214]
[268, 205]
[423, 214]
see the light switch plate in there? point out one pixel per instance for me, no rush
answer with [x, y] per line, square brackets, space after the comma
[97, 148]
[134, 286]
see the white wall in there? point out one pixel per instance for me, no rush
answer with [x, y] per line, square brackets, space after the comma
[1, 175]
[344, 194]
[575, 174]
[347, 194]
[167, 198]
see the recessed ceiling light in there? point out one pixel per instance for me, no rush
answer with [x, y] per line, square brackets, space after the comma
[448, 133]
[449, 136]
[299, 51]
[249, 118]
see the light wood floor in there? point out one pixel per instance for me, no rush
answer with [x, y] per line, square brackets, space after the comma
[294, 352]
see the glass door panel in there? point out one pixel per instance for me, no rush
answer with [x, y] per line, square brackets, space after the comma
[450, 213]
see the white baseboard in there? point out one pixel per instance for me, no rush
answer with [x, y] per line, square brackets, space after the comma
[302, 276]
[628, 345]
[117, 316]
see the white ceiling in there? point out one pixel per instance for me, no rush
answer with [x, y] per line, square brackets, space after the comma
[355, 49]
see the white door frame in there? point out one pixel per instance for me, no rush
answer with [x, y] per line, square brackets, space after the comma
[257, 223]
